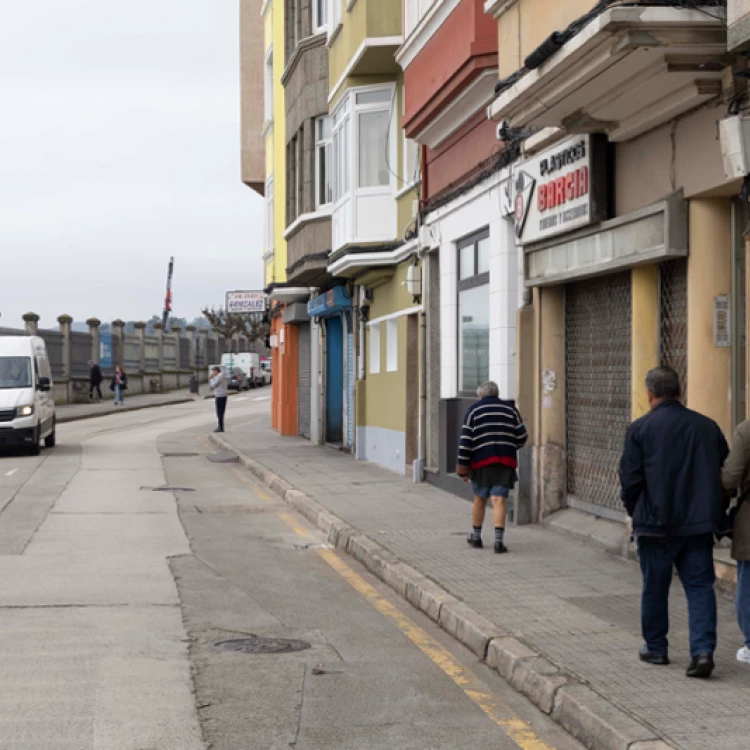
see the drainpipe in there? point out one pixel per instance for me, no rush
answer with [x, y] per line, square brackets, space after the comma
[420, 475]
[355, 364]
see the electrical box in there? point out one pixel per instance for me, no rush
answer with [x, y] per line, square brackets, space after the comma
[734, 137]
[414, 281]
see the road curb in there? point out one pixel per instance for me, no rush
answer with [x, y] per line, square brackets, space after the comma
[583, 713]
[80, 417]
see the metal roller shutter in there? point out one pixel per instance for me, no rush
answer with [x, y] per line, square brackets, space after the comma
[598, 336]
[304, 381]
[673, 294]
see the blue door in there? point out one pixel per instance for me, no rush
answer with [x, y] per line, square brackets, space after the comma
[334, 380]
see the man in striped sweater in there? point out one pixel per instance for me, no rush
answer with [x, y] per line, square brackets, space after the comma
[493, 432]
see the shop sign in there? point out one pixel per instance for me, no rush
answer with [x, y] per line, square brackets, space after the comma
[246, 302]
[560, 190]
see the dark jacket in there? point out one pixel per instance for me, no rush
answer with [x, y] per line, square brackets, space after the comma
[95, 375]
[736, 476]
[670, 472]
[492, 433]
[123, 382]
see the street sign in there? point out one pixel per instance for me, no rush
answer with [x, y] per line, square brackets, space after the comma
[243, 303]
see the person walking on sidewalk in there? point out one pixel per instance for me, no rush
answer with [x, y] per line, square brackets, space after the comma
[95, 381]
[670, 473]
[736, 476]
[219, 385]
[492, 434]
[119, 385]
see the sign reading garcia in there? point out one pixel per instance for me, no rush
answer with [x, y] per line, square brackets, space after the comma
[561, 189]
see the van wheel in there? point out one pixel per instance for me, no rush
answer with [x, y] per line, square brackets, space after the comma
[51, 439]
[35, 449]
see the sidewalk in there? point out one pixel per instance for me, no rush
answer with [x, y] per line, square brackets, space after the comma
[74, 412]
[576, 606]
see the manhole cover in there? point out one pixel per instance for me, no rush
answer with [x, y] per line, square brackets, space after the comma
[168, 489]
[259, 645]
[180, 455]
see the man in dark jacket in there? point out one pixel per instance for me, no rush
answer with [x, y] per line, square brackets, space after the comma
[671, 487]
[95, 381]
[492, 434]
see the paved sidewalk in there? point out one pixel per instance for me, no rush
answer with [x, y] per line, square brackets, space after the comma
[74, 412]
[575, 605]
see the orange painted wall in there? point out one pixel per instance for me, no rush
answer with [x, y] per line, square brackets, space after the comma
[284, 398]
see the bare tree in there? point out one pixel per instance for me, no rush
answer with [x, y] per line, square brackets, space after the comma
[253, 327]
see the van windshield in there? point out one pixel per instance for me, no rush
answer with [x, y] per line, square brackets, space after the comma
[15, 372]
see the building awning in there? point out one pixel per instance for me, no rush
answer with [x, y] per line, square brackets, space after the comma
[651, 235]
[332, 302]
[628, 71]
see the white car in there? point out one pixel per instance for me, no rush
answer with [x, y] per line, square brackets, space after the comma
[27, 408]
[265, 368]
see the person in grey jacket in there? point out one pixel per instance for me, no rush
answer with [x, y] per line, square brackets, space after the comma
[736, 476]
[219, 385]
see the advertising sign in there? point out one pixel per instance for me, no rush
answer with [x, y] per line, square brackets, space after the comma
[560, 190]
[241, 303]
[105, 351]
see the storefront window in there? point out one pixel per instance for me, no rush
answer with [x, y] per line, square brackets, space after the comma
[473, 313]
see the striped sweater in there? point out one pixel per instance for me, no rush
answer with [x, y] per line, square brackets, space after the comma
[493, 432]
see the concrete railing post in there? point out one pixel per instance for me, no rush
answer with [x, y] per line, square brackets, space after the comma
[93, 324]
[118, 343]
[140, 330]
[65, 322]
[159, 331]
[190, 333]
[203, 336]
[31, 324]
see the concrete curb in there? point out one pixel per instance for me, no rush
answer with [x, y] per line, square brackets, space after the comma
[583, 713]
[124, 410]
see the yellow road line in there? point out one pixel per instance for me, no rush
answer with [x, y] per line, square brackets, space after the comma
[241, 474]
[517, 729]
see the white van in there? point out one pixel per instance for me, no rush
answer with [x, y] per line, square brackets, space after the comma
[27, 408]
[249, 363]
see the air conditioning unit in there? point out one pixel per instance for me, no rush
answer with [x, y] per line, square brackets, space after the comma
[734, 137]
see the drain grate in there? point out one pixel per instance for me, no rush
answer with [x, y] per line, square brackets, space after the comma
[258, 645]
[167, 489]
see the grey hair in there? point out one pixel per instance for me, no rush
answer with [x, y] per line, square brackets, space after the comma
[488, 389]
[663, 382]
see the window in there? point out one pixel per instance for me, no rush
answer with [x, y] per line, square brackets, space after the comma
[268, 86]
[415, 11]
[372, 147]
[323, 186]
[473, 312]
[375, 349]
[391, 344]
[268, 224]
[412, 167]
[341, 127]
[320, 15]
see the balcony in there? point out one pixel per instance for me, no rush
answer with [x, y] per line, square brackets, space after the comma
[628, 71]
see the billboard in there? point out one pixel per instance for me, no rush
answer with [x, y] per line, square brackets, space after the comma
[242, 303]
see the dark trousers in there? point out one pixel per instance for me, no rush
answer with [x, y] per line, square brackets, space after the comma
[221, 407]
[95, 387]
[693, 558]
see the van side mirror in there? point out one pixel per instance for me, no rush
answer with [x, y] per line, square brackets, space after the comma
[44, 384]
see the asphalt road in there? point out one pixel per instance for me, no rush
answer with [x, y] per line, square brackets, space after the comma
[132, 549]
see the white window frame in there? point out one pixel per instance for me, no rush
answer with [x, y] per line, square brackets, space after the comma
[374, 349]
[410, 177]
[391, 345]
[323, 153]
[335, 16]
[268, 86]
[414, 12]
[269, 217]
[319, 24]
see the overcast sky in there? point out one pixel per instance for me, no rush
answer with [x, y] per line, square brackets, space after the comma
[119, 146]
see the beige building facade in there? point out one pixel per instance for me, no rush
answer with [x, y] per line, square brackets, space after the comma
[632, 233]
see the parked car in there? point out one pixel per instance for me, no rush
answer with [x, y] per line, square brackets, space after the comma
[265, 368]
[237, 380]
[27, 408]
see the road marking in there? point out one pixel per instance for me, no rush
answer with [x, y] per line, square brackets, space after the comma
[240, 398]
[11, 472]
[242, 476]
[262, 398]
[516, 729]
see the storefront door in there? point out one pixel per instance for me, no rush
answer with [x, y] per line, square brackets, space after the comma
[334, 380]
